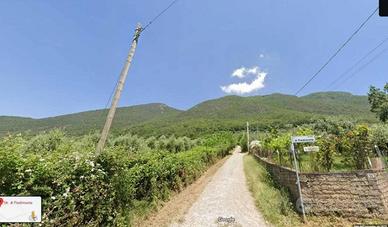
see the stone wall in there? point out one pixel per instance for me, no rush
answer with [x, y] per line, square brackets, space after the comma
[349, 194]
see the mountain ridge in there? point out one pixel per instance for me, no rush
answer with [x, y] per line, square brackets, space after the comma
[228, 112]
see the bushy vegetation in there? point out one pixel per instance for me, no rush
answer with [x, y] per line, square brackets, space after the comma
[78, 188]
[378, 100]
[343, 145]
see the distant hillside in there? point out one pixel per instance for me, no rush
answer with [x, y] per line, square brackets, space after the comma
[335, 103]
[226, 113]
[231, 112]
[85, 122]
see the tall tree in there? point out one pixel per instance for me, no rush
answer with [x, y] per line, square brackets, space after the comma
[378, 100]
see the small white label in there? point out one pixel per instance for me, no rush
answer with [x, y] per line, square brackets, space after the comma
[20, 209]
[303, 139]
[311, 149]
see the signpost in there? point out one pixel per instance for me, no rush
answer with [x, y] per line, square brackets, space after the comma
[295, 140]
[311, 149]
[303, 139]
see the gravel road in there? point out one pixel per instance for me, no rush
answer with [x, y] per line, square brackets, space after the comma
[226, 200]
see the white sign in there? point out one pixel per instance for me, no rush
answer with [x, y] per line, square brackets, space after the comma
[311, 149]
[303, 139]
[20, 209]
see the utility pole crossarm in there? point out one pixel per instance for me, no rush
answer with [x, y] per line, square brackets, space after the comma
[119, 88]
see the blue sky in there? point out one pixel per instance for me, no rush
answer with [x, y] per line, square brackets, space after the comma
[61, 57]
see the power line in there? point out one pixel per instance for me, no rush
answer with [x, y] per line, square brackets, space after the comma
[142, 29]
[362, 67]
[356, 64]
[111, 94]
[160, 14]
[106, 110]
[337, 52]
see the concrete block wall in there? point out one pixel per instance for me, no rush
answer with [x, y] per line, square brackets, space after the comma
[349, 194]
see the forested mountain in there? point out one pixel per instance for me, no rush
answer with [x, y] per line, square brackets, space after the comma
[226, 113]
[84, 122]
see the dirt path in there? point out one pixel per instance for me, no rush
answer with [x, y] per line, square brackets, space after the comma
[225, 201]
[180, 203]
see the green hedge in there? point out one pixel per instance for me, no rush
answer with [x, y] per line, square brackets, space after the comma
[80, 189]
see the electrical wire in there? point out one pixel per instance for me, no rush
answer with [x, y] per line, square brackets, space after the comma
[355, 65]
[362, 67]
[160, 14]
[142, 30]
[338, 51]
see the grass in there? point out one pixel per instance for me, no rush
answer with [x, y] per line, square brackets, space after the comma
[275, 206]
[273, 203]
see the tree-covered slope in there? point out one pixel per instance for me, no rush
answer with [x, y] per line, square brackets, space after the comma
[329, 103]
[226, 113]
[85, 122]
[231, 112]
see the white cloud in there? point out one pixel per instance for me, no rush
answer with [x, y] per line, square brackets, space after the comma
[246, 87]
[253, 70]
[240, 73]
[261, 56]
[243, 72]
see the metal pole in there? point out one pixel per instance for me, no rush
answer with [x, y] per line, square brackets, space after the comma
[119, 88]
[381, 156]
[257, 132]
[248, 136]
[298, 181]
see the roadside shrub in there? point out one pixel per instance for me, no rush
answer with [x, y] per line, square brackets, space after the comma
[46, 142]
[129, 143]
[10, 163]
[79, 189]
[324, 158]
[358, 148]
[243, 142]
[281, 146]
[379, 136]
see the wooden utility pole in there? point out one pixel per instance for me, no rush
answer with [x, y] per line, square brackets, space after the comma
[248, 136]
[119, 88]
